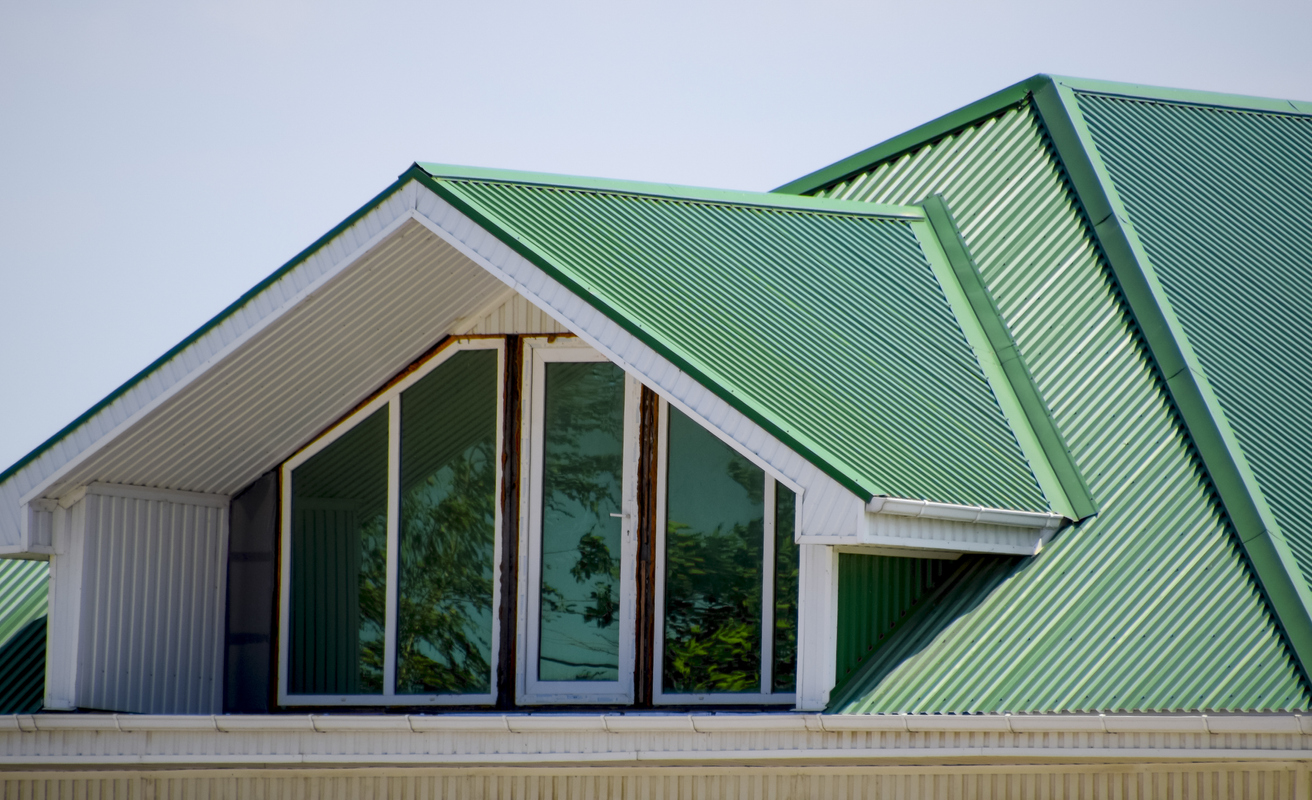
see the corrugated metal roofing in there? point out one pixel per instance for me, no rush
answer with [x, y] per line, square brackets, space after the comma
[1150, 605]
[23, 609]
[826, 323]
[1221, 200]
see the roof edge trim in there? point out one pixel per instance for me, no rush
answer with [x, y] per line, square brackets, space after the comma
[671, 191]
[1205, 423]
[508, 237]
[945, 125]
[1194, 97]
[980, 515]
[217, 319]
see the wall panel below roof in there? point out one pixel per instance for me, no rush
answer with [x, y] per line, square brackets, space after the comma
[1131, 781]
[152, 603]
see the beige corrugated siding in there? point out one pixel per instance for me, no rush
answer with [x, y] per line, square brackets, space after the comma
[1122, 782]
[1150, 604]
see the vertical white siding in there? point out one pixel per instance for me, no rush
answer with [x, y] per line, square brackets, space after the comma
[151, 622]
[515, 315]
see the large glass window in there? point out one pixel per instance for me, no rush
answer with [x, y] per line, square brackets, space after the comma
[577, 581]
[727, 583]
[391, 521]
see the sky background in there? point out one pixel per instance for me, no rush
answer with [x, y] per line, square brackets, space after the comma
[158, 159]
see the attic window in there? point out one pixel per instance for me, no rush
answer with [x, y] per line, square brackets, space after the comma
[727, 573]
[390, 521]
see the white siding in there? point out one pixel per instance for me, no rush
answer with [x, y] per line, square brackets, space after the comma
[514, 314]
[152, 602]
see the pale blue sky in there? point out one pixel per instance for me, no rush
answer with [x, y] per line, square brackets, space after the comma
[158, 159]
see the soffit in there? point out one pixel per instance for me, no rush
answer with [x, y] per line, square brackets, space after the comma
[248, 411]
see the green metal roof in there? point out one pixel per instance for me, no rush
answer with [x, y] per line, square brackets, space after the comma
[22, 635]
[823, 321]
[1221, 200]
[1151, 605]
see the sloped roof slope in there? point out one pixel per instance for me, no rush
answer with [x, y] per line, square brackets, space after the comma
[824, 321]
[1148, 606]
[1221, 199]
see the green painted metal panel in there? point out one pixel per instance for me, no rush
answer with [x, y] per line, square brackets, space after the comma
[23, 605]
[23, 669]
[1221, 200]
[828, 328]
[876, 596]
[1148, 606]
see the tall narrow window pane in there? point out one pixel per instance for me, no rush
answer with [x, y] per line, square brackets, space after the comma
[339, 564]
[785, 590]
[448, 528]
[583, 428]
[713, 552]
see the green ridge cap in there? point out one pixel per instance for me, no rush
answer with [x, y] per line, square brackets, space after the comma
[669, 191]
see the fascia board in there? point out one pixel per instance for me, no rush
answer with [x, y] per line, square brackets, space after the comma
[947, 124]
[672, 723]
[507, 235]
[1051, 461]
[214, 321]
[1193, 97]
[1204, 421]
[672, 191]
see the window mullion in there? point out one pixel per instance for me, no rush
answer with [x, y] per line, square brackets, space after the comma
[393, 541]
[767, 590]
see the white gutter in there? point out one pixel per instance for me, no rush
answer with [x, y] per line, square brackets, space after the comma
[662, 723]
[957, 513]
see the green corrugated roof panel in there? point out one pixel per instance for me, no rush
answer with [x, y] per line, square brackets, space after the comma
[23, 606]
[1221, 199]
[1150, 605]
[824, 323]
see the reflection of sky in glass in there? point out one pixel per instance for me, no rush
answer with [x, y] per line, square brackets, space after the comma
[339, 578]
[447, 534]
[713, 561]
[583, 427]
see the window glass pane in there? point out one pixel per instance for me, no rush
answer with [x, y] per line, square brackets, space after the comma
[583, 429]
[339, 566]
[785, 590]
[713, 552]
[448, 528]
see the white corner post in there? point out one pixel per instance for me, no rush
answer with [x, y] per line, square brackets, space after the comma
[64, 620]
[817, 634]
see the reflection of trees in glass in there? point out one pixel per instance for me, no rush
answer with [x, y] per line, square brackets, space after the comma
[785, 591]
[583, 426]
[447, 528]
[714, 549]
[713, 609]
[445, 590]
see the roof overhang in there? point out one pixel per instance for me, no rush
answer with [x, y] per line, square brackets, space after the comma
[331, 327]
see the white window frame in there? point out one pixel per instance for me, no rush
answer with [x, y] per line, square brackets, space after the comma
[529, 690]
[391, 397]
[772, 480]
